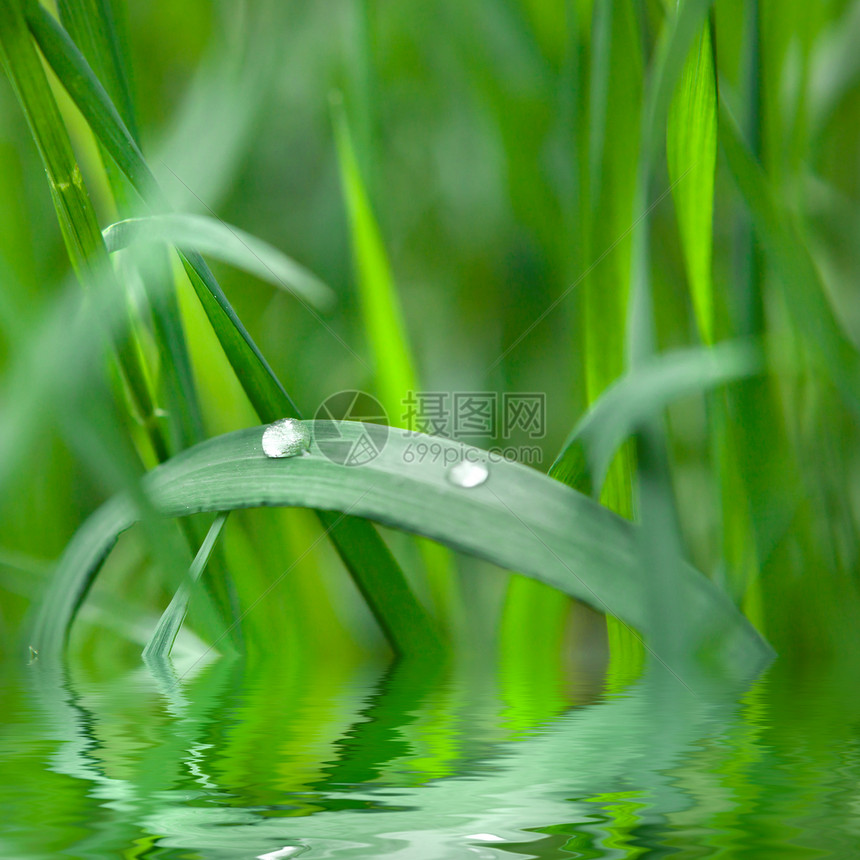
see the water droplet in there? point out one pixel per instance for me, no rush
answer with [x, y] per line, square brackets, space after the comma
[286, 438]
[468, 474]
[286, 851]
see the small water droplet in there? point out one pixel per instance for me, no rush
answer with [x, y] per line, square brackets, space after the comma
[282, 853]
[286, 438]
[468, 474]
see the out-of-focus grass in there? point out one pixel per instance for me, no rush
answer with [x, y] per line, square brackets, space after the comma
[506, 145]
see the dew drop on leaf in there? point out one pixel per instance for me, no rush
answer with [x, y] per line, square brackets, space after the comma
[468, 474]
[286, 438]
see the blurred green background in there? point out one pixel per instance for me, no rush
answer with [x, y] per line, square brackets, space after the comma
[479, 129]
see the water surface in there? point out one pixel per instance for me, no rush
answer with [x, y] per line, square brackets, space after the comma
[367, 760]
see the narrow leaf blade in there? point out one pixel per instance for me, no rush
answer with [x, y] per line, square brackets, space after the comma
[383, 319]
[642, 395]
[224, 242]
[691, 149]
[161, 642]
[805, 296]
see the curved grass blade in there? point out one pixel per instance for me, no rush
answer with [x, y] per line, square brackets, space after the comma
[805, 296]
[691, 151]
[55, 370]
[641, 395]
[518, 518]
[161, 642]
[226, 243]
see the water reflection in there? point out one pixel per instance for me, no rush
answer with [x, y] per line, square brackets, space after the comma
[417, 761]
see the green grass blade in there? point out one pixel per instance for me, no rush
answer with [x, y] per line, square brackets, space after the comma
[755, 465]
[608, 177]
[74, 210]
[266, 393]
[92, 100]
[178, 387]
[271, 402]
[161, 642]
[536, 621]
[224, 242]
[672, 51]
[394, 371]
[612, 195]
[54, 370]
[600, 82]
[406, 624]
[518, 518]
[617, 79]
[642, 395]
[92, 25]
[691, 150]
[667, 68]
[804, 293]
[268, 397]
